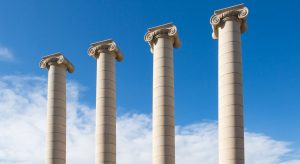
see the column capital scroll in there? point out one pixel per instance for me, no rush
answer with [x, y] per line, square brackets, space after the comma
[56, 58]
[237, 12]
[166, 30]
[105, 46]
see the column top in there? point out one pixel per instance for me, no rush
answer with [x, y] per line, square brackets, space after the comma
[238, 12]
[105, 46]
[169, 30]
[57, 58]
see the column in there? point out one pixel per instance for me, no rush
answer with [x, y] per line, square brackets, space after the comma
[162, 39]
[228, 24]
[105, 53]
[57, 66]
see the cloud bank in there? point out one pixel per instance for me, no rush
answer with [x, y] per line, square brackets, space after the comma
[23, 126]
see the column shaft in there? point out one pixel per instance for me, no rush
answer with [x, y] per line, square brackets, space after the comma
[56, 115]
[105, 110]
[231, 126]
[163, 102]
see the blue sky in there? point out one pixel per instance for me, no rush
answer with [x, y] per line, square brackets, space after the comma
[33, 28]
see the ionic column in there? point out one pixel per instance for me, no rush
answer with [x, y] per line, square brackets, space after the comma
[57, 66]
[162, 39]
[228, 24]
[105, 53]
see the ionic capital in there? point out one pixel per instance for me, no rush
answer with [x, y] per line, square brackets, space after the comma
[237, 12]
[108, 46]
[56, 58]
[167, 30]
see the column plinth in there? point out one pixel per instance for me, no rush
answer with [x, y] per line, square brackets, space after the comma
[57, 66]
[228, 24]
[162, 40]
[105, 53]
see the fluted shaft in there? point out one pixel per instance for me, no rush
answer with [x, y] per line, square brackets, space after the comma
[105, 110]
[56, 115]
[105, 53]
[163, 102]
[231, 126]
[162, 39]
[57, 66]
[228, 24]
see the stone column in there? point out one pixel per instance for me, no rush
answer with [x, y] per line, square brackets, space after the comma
[228, 24]
[105, 53]
[57, 66]
[162, 39]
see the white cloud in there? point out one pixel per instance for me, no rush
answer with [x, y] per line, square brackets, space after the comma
[271, 151]
[291, 162]
[6, 54]
[23, 123]
[197, 142]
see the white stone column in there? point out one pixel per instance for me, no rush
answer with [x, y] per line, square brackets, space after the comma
[228, 24]
[105, 53]
[162, 39]
[57, 66]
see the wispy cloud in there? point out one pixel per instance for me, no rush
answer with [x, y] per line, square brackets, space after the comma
[6, 54]
[23, 126]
